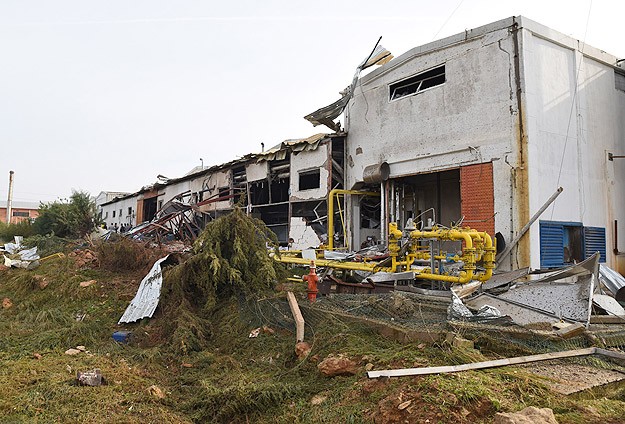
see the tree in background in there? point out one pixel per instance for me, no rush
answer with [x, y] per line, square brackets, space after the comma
[74, 218]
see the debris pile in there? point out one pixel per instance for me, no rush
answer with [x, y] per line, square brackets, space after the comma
[85, 258]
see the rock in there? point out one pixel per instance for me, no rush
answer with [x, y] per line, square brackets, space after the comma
[37, 355]
[87, 283]
[529, 415]
[156, 391]
[186, 365]
[6, 303]
[268, 330]
[81, 348]
[72, 352]
[90, 378]
[337, 365]
[369, 366]
[3, 267]
[41, 281]
[302, 349]
[318, 400]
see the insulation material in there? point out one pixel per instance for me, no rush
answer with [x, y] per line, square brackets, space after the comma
[256, 171]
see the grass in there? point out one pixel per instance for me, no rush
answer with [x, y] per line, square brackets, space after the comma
[229, 377]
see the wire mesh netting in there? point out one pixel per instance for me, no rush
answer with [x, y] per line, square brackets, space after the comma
[413, 312]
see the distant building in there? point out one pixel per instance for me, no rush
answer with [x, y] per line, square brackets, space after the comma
[20, 211]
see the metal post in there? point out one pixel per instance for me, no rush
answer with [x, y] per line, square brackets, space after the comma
[527, 226]
[10, 199]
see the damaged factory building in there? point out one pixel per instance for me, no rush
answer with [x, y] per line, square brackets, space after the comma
[511, 129]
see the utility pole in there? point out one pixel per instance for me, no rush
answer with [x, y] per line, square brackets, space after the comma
[10, 199]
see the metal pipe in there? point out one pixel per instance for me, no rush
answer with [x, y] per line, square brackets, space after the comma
[383, 227]
[10, 198]
[336, 192]
[523, 230]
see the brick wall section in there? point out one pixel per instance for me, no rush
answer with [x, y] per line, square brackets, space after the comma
[476, 195]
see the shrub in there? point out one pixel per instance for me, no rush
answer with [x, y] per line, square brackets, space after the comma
[74, 218]
[23, 228]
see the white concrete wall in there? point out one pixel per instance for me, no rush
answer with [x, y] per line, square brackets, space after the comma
[308, 161]
[172, 190]
[125, 218]
[471, 118]
[572, 124]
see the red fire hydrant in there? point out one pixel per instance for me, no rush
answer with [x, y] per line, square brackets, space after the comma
[312, 279]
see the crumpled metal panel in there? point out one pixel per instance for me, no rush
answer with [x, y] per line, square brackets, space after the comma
[326, 115]
[610, 279]
[566, 293]
[148, 295]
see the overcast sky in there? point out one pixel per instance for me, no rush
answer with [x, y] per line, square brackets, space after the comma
[106, 95]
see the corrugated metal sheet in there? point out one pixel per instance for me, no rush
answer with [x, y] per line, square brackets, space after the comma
[279, 151]
[594, 241]
[610, 279]
[146, 300]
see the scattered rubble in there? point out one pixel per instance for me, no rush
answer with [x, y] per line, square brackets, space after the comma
[72, 351]
[85, 258]
[6, 303]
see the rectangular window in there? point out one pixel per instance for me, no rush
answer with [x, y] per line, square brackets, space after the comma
[20, 213]
[113, 214]
[619, 80]
[309, 179]
[106, 215]
[417, 83]
[160, 205]
[130, 211]
[223, 191]
[120, 212]
[566, 243]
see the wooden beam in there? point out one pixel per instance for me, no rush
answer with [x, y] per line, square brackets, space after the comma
[486, 364]
[297, 316]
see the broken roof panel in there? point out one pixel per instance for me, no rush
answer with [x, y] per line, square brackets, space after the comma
[146, 300]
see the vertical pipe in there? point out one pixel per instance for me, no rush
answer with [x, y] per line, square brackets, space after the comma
[383, 212]
[10, 198]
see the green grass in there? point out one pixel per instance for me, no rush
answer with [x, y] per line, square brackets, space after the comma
[230, 377]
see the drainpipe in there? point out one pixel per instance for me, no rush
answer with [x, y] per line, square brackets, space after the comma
[10, 199]
[383, 224]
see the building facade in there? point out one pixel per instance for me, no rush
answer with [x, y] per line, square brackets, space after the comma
[483, 127]
[20, 211]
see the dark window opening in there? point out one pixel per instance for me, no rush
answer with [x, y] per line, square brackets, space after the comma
[149, 208]
[130, 210]
[21, 213]
[113, 214]
[370, 212]
[280, 190]
[259, 192]
[309, 180]
[417, 83]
